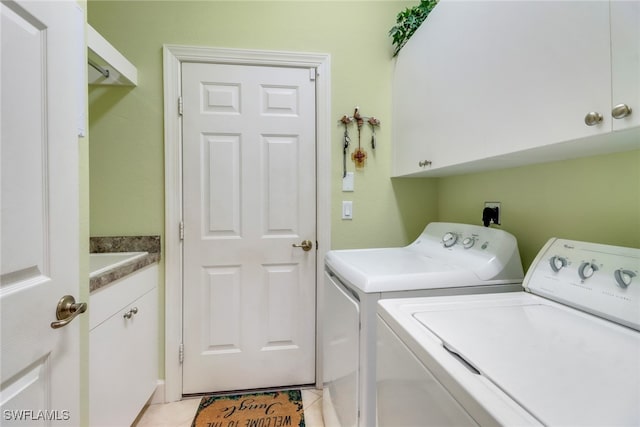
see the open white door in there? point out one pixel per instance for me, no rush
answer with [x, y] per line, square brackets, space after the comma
[39, 369]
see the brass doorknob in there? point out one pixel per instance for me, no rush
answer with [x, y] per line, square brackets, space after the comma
[306, 245]
[67, 310]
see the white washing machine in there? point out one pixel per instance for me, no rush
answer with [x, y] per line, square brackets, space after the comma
[446, 259]
[564, 352]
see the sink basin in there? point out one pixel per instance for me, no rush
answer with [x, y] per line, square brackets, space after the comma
[102, 262]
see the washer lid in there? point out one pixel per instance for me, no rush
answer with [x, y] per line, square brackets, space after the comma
[563, 366]
[396, 269]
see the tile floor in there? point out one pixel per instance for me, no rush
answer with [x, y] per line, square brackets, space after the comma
[180, 414]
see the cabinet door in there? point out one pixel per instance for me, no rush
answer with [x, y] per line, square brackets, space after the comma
[124, 369]
[625, 59]
[481, 79]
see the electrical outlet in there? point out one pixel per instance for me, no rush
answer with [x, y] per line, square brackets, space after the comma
[498, 219]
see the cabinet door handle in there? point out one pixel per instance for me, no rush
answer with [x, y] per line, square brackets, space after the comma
[593, 118]
[130, 313]
[621, 111]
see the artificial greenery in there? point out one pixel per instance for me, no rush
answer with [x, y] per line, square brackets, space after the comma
[408, 22]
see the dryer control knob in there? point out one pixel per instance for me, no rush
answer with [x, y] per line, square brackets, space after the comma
[586, 270]
[557, 263]
[624, 277]
[468, 242]
[449, 239]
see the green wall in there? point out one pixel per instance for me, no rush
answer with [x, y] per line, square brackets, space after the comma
[591, 199]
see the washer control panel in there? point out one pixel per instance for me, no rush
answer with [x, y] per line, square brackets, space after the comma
[599, 279]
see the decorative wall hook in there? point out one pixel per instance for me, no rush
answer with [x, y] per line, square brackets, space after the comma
[345, 143]
[373, 122]
[346, 120]
[359, 155]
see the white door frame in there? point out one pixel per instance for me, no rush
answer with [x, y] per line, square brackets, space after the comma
[173, 56]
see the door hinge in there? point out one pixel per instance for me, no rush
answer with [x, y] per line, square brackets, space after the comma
[181, 353]
[312, 74]
[181, 230]
[180, 106]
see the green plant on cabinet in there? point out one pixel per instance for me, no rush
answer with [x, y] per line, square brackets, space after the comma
[408, 22]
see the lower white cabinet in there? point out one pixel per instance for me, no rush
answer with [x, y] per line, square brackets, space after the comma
[123, 348]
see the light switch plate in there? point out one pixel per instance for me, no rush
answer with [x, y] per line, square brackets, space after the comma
[347, 209]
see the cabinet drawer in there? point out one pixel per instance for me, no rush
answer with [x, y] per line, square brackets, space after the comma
[109, 300]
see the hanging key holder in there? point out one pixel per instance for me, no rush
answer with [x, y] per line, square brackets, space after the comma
[359, 155]
[345, 120]
[373, 122]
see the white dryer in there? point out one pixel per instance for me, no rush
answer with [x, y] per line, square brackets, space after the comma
[564, 352]
[446, 259]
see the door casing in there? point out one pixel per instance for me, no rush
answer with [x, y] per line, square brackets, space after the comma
[173, 56]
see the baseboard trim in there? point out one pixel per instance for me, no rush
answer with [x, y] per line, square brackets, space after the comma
[158, 395]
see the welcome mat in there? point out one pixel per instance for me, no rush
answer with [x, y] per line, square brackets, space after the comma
[268, 409]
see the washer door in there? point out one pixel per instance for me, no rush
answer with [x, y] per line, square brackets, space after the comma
[341, 352]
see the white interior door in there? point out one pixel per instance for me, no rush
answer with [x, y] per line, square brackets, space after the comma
[39, 371]
[249, 195]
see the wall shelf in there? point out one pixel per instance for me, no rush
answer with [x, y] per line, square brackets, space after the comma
[107, 66]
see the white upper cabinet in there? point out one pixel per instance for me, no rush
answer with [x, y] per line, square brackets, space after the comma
[625, 62]
[490, 84]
